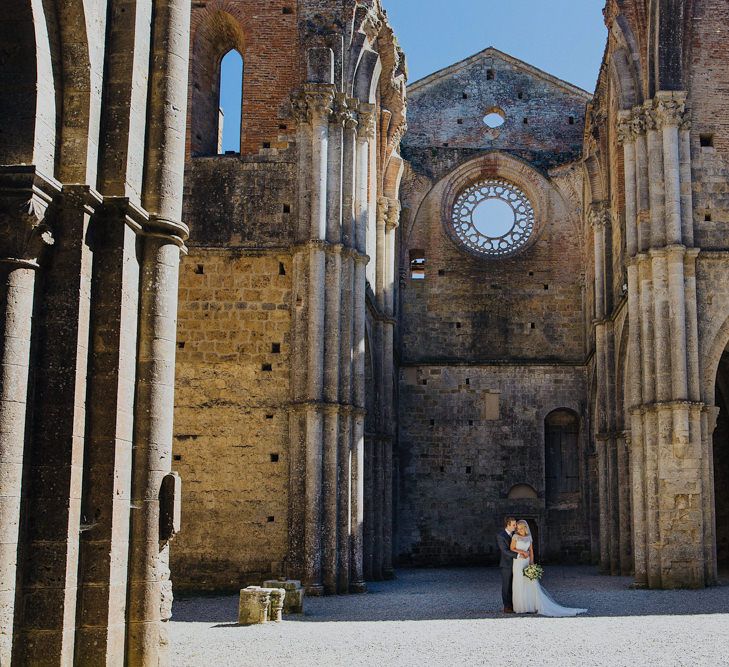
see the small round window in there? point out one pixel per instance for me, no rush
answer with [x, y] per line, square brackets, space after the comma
[493, 218]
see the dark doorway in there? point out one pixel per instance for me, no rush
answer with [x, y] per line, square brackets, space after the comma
[721, 465]
[562, 486]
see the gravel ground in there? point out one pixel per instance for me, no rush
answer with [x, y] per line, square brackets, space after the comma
[452, 617]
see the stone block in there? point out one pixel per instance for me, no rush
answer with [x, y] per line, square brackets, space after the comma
[294, 594]
[254, 605]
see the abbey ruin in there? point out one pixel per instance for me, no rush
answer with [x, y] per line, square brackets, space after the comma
[399, 311]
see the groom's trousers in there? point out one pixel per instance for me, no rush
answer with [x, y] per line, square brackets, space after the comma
[507, 578]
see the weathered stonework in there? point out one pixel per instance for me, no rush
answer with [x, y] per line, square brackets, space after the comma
[352, 384]
[490, 347]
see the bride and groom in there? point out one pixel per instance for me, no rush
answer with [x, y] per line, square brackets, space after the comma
[520, 594]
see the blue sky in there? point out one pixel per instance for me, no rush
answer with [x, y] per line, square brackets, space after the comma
[563, 37]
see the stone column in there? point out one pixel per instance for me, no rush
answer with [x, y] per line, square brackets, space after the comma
[363, 204]
[656, 185]
[670, 109]
[104, 543]
[626, 137]
[667, 430]
[316, 326]
[346, 341]
[642, 196]
[23, 234]
[149, 586]
[357, 584]
[388, 361]
[598, 216]
[46, 622]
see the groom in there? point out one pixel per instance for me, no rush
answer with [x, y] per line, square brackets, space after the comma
[503, 539]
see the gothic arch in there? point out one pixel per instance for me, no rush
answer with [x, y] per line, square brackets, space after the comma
[367, 77]
[218, 32]
[625, 65]
[28, 105]
[81, 100]
[710, 362]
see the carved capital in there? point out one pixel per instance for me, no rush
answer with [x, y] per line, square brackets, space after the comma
[340, 110]
[670, 108]
[598, 214]
[649, 117]
[625, 128]
[393, 214]
[638, 122]
[315, 103]
[367, 121]
[26, 200]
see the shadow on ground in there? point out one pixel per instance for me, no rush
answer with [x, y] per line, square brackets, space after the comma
[471, 593]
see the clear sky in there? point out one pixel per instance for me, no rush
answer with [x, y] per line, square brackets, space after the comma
[563, 37]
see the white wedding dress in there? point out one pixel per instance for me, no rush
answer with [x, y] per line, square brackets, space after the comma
[528, 595]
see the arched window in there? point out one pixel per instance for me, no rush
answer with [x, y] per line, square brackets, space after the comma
[562, 455]
[230, 103]
[522, 492]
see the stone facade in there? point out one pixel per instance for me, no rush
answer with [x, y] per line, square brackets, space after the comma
[350, 388]
[92, 155]
[489, 348]
[286, 300]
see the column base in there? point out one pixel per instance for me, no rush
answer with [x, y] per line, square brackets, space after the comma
[358, 587]
[314, 590]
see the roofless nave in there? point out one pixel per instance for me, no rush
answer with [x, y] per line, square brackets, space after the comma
[373, 364]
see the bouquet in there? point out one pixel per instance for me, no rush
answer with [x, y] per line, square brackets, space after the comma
[534, 572]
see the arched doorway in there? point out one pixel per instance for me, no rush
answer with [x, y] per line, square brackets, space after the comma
[721, 465]
[562, 484]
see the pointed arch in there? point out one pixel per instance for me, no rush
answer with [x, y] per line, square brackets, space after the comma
[218, 33]
[28, 100]
[230, 102]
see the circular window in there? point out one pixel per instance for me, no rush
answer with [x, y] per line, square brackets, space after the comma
[493, 218]
[494, 118]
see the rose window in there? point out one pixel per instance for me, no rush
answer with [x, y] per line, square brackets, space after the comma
[493, 218]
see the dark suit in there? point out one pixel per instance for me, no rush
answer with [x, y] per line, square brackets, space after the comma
[503, 539]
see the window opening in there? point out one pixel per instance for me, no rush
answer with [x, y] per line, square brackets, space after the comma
[230, 103]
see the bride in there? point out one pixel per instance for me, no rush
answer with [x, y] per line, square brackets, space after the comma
[529, 596]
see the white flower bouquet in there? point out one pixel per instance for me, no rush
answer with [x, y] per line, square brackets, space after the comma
[534, 572]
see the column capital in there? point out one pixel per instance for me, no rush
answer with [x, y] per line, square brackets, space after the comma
[598, 214]
[341, 111]
[625, 128]
[26, 195]
[638, 122]
[367, 121]
[669, 108]
[393, 214]
[314, 102]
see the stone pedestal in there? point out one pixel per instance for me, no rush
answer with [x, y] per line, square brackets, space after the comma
[253, 605]
[293, 601]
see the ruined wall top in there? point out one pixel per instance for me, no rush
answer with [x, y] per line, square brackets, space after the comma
[534, 115]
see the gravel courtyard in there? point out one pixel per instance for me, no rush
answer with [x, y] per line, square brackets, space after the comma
[452, 617]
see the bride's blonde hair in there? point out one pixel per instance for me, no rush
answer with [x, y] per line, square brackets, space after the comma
[521, 522]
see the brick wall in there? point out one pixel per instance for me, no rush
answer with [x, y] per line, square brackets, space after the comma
[266, 35]
[468, 434]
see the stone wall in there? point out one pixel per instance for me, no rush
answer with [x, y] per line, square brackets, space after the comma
[231, 416]
[469, 434]
[490, 346]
